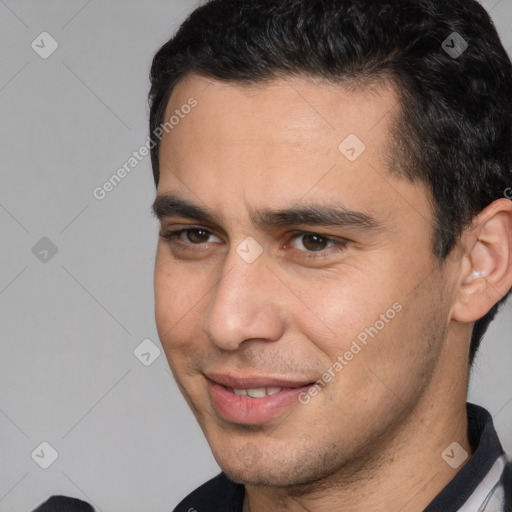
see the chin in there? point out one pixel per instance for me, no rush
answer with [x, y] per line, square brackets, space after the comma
[261, 476]
[249, 465]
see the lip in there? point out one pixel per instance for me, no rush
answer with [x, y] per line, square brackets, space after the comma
[252, 411]
[255, 381]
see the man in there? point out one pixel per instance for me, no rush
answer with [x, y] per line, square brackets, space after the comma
[336, 237]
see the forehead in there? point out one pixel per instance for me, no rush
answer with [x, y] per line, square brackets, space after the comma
[295, 108]
[283, 141]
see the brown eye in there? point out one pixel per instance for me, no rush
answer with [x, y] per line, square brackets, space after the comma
[197, 236]
[188, 236]
[313, 246]
[313, 242]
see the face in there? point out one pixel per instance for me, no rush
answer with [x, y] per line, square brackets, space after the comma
[298, 301]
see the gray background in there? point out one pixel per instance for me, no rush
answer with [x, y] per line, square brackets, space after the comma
[68, 376]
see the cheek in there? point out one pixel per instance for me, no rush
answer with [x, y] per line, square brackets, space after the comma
[177, 299]
[346, 309]
[401, 354]
[373, 323]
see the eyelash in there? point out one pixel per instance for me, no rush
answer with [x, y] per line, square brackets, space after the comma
[337, 244]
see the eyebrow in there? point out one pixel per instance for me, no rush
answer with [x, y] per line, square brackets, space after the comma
[169, 205]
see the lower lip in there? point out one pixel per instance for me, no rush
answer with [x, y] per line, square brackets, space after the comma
[247, 410]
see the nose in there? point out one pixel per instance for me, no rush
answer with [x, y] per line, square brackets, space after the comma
[245, 304]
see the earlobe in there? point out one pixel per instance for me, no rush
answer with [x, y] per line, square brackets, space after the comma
[487, 265]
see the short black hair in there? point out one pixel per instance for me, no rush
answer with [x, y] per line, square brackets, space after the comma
[454, 131]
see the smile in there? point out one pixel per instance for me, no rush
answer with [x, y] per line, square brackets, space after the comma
[253, 400]
[256, 392]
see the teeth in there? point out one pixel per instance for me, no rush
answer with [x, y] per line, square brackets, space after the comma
[256, 392]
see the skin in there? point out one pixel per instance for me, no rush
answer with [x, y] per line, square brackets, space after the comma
[372, 438]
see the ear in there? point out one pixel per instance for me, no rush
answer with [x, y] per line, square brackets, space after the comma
[486, 268]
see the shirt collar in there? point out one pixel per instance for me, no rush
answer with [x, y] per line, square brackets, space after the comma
[486, 448]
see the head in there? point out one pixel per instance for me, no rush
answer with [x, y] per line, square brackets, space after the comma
[355, 111]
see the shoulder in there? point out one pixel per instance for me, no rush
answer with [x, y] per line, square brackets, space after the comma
[64, 504]
[217, 495]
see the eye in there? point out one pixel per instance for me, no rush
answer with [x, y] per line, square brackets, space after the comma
[311, 241]
[316, 243]
[192, 236]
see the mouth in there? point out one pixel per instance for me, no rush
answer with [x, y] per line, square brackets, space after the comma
[253, 400]
[256, 392]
